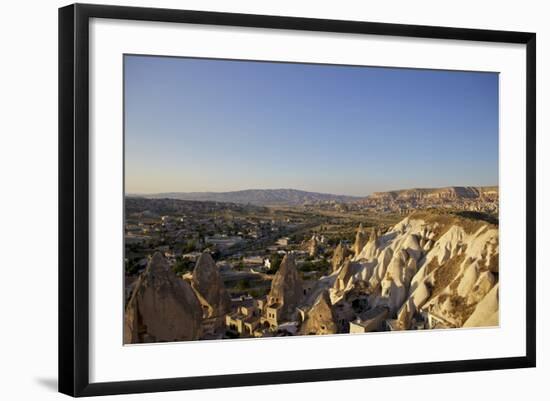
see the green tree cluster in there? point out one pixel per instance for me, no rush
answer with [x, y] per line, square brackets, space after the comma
[275, 260]
[182, 265]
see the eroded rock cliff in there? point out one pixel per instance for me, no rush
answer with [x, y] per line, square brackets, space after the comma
[436, 268]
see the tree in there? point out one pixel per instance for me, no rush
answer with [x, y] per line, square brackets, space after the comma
[131, 267]
[322, 266]
[275, 260]
[182, 265]
[190, 246]
[243, 285]
[215, 253]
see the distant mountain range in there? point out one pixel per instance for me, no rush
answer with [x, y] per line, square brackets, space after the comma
[295, 197]
[261, 197]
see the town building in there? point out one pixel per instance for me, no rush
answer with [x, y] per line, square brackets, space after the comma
[371, 320]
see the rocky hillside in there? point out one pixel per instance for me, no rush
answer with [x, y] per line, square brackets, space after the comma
[434, 270]
[476, 199]
[261, 197]
[449, 193]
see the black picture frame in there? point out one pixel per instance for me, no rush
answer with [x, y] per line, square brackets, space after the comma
[74, 198]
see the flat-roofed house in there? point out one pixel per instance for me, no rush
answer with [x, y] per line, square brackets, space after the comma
[371, 320]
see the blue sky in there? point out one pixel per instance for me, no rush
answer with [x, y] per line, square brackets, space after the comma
[216, 125]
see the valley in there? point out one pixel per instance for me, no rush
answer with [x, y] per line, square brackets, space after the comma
[402, 260]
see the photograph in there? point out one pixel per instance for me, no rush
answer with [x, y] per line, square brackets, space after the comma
[275, 200]
[278, 199]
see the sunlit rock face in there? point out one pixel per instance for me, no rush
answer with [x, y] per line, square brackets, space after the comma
[346, 275]
[313, 246]
[361, 239]
[430, 266]
[486, 311]
[370, 249]
[339, 256]
[162, 307]
[286, 288]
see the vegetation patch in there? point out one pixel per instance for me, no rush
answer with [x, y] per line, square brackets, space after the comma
[446, 219]
[445, 274]
[471, 215]
[460, 309]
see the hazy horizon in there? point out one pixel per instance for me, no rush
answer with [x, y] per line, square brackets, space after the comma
[197, 125]
[298, 189]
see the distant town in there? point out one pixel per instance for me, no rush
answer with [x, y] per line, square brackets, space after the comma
[313, 264]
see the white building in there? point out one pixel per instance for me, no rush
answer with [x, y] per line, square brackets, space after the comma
[283, 241]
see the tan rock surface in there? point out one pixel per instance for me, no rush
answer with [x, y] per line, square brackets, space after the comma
[163, 307]
[371, 248]
[340, 254]
[361, 239]
[486, 312]
[320, 319]
[313, 246]
[448, 259]
[286, 288]
[209, 286]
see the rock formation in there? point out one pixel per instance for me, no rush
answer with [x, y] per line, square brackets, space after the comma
[209, 287]
[370, 249]
[340, 254]
[434, 265]
[346, 275]
[163, 307]
[320, 319]
[486, 311]
[382, 262]
[412, 305]
[313, 246]
[360, 240]
[470, 199]
[446, 193]
[286, 288]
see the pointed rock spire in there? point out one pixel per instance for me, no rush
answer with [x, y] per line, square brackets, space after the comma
[340, 254]
[321, 318]
[346, 273]
[313, 246]
[371, 248]
[486, 311]
[360, 240]
[374, 236]
[286, 288]
[209, 286]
